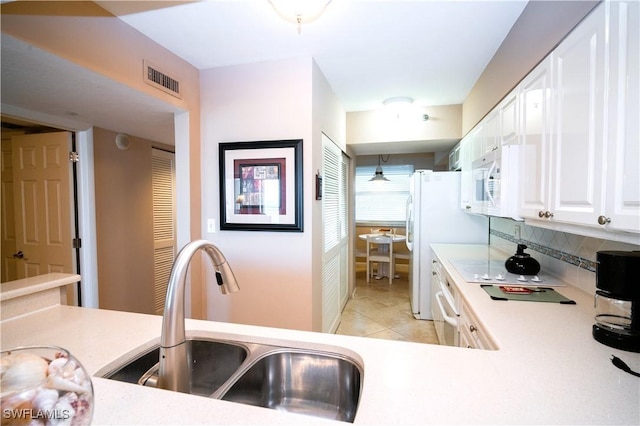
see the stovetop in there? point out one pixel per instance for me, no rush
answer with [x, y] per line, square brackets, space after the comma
[494, 272]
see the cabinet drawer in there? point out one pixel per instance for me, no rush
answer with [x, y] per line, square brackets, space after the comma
[472, 335]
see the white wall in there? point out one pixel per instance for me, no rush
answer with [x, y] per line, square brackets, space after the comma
[256, 102]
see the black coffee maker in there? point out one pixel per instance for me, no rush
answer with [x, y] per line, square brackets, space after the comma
[617, 299]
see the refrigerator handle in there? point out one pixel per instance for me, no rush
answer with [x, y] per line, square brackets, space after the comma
[408, 226]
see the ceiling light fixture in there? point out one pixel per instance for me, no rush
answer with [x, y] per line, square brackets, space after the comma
[299, 11]
[398, 106]
[378, 176]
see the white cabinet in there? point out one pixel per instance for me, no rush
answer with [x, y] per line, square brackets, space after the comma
[472, 334]
[578, 66]
[622, 203]
[476, 139]
[466, 177]
[535, 140]
[454, 158]
[579, 130]
[491, 131]
[509, 119]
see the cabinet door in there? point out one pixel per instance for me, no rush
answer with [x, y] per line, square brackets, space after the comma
[509, 122]
[477, 141]
[466, 177]
[623, 178]
[578, 136]
[535, 139]
[492, 131]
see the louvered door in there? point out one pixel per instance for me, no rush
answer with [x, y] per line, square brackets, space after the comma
[335, 233]
[164, 241]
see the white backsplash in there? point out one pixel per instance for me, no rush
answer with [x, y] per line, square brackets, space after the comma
[570, 257]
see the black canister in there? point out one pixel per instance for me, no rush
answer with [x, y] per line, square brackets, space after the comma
[617, 300]
[522, 263]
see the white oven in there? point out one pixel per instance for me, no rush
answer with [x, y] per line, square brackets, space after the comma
[445, 308]
[495, 183]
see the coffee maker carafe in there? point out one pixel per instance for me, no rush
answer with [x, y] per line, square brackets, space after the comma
[617, 300]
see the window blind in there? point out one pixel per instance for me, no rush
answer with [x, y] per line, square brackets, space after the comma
[382, 201]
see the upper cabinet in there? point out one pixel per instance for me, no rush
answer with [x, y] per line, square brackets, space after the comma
[579, 126]
[535, 139]
[576, 118]
[622, 204]
[562, 132]
[454, 158]
[578, 123]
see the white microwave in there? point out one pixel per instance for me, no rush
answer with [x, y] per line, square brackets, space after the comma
[495, 183]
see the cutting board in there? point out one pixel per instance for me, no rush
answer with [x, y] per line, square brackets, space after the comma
[546, 295]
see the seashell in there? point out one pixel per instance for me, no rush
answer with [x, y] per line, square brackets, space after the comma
[64, 414]
[45, 399]
[70, 397]
[63, 384]
[18, 400]
[56, 365]
[80, 376]
[21, 371]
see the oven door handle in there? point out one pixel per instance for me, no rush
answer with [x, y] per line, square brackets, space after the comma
[449, 320]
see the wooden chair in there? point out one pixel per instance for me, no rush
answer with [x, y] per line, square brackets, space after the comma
[379, 249]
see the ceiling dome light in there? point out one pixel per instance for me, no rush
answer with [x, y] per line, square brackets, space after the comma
[299, 11]
[398, 107]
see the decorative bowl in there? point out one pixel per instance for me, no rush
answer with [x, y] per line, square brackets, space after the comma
[43, 385]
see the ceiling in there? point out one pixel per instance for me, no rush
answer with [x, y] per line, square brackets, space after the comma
[368, 50]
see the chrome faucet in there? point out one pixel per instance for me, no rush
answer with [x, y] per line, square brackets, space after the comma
[174, 368]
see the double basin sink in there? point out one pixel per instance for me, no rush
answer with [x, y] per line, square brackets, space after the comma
[322, 381]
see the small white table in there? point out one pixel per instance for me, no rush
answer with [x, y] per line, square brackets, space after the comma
[383, 271]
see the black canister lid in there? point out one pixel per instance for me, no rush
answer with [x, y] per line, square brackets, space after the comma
[618, 273]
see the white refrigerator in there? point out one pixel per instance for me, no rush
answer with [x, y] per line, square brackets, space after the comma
[434, 215]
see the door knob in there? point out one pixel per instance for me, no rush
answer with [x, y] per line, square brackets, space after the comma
[603, 220]
[19, 255]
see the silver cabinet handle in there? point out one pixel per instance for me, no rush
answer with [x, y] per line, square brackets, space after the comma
[603, 220]
[540, 213]
[548, 214]
[472, 328]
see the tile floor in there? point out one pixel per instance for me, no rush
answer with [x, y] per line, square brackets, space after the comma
[382, 311]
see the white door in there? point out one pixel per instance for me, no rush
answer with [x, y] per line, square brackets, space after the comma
[42, 203]
[578, 136]
[535, 139]
[335, 262]
[623, 174]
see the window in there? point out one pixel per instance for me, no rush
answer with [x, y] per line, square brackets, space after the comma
[382, 201]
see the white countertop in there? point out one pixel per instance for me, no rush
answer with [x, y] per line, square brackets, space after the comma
[548, 369]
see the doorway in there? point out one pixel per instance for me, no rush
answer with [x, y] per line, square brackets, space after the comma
[38, 203]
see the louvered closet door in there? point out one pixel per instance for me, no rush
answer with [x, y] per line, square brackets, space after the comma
[164, 235]
[334, 218]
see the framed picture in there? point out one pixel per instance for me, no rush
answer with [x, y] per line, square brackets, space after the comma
[261, 186]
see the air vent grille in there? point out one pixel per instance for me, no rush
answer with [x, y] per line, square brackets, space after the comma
[160, 80]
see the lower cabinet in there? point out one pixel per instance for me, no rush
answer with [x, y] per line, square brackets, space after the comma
[472, 335]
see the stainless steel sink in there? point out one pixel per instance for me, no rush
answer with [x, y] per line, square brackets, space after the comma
[304, 382]
[317, 380]
[211, 362]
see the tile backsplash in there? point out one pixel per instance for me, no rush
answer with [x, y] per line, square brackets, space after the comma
[569, 256]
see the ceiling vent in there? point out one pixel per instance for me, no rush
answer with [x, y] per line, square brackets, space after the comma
[160, 80]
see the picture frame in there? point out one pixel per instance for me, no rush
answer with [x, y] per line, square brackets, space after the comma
[261, 185]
